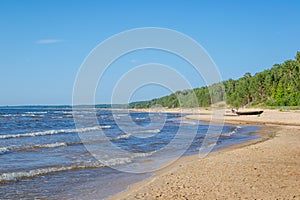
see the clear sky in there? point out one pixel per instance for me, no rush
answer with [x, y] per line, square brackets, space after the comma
[43, 43]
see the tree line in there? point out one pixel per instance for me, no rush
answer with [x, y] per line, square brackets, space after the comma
[278, 86]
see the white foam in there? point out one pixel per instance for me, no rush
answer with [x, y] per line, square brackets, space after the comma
[53, 145]
[115, 161]
[122, 136]
[64, 112]
[13, 176]
[140, 118]
[121, 115]
[229, 133]
[189, 122]
[37, 112]
[3, 150]
[143, 155]
[27, 114]
[147, 131]
[39, 146]
[232, 132]
[10, 115]
[53, 132]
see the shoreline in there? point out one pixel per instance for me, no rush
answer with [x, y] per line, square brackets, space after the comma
[173, 182]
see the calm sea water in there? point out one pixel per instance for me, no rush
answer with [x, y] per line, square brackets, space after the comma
[42, 155]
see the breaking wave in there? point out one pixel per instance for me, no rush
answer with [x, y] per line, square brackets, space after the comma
[14, 176]
[147, 131]
[53, 132]
[127, 135]
[140, 118]
[53, 145]
[233, 131]
[3, 150]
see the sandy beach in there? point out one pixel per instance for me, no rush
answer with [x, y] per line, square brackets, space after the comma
[265, 168]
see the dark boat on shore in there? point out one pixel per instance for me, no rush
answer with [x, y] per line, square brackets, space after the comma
[250, 112]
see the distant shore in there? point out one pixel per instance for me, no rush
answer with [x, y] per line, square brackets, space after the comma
[265, 168]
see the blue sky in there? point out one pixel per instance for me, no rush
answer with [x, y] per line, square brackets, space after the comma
[43, 43]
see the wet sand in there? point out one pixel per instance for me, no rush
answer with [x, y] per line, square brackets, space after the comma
[266, 168]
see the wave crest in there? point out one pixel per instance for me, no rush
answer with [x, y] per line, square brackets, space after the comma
[3, 150]
[14, 176]
[53, 132]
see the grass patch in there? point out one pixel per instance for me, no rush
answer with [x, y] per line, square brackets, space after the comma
[272, 134]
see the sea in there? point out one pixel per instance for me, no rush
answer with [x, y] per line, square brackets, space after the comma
[46, 154]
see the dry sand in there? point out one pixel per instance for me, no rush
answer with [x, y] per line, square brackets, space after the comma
[267, 168]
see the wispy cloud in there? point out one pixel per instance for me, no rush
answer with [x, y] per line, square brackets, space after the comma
[48, 41]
